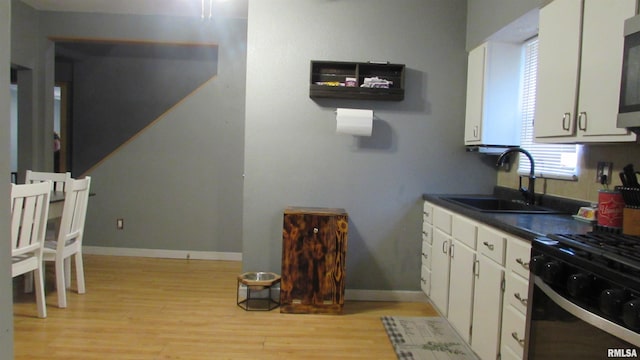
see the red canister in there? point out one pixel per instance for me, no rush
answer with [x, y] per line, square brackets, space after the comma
[610, 207]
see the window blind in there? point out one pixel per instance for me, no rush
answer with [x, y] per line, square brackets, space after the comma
[551, 160]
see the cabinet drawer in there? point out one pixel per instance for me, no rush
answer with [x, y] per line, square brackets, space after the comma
[492, 243]
[442, 220]
[518, 255]
[425, 280]
[465, 231]
[513, 325]
[427, 213]
[516, 292]
[507, 354]
[426, 254]
[427, 233]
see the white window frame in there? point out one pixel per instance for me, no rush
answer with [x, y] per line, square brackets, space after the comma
[555, 161]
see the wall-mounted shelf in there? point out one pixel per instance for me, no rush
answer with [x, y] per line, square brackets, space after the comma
[331, 79]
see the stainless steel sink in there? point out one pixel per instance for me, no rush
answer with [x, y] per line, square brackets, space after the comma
[496, 205]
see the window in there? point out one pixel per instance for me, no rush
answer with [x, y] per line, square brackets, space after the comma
[558, 161]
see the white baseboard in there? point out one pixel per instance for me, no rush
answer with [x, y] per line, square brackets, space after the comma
[350, 294]
[385, 295]
[160, 253]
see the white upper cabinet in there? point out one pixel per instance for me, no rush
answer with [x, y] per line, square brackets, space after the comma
[579, 71]
[493, 83]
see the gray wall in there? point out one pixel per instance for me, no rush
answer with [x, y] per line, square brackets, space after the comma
[178, 185]
[25, 55]
[6, 313]
[485, 17]
[138, 83]
[294, 157]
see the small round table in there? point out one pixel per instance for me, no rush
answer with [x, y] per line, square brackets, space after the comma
[255, 284]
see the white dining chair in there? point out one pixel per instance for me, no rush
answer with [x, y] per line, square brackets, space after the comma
[68, 241]
[58, 180]
[29, 211]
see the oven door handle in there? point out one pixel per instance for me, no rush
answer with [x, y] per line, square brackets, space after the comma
[588, 317]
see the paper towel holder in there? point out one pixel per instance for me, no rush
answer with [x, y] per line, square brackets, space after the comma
[356, 122]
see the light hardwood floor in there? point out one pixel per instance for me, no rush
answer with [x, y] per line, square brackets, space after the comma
[143, 308]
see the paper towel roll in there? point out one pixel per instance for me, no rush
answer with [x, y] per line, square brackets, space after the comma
[354, 122]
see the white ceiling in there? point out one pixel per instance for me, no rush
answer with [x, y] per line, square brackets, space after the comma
[194, 8]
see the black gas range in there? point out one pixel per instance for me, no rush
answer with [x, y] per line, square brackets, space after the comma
[589, 286]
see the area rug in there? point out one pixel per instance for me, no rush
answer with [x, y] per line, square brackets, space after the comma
[425, 338]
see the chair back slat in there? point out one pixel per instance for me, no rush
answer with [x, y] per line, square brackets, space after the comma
[74, 212]
[58, 180]
[29, 215]
[29, 211]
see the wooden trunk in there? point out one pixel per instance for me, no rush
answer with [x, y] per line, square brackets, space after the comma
[314, 249]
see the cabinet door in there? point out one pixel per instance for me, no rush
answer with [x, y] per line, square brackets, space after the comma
[425, 280]
[516, 292]
[513, 330]
[313, 262]
[440, 271]
[487, 308]
[475, 91]
[601, 67]
[558, 64]
[426, 254]
[461, 288]
[518, 254]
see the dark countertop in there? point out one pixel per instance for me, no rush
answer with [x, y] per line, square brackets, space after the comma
[525, 226]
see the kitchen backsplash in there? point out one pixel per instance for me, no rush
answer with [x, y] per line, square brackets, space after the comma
[586, 188]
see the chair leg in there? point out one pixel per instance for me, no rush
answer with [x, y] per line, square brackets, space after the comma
[67, 272]
[80, 273]
[60, 284]
[40, 299]
[28, 282]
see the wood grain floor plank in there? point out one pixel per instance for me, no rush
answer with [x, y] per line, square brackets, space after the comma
[146, 308]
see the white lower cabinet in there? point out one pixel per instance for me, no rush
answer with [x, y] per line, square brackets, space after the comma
[464, 234]
[515, 299]
[440, 271]
[461, 288]
[513, 326]
[487, 308]
[508, 354]
[425, 280]
[477, 277]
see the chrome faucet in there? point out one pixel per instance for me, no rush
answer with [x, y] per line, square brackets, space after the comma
[529, 192]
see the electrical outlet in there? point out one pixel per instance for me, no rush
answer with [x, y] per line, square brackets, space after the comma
[119, 224]
[604, 169]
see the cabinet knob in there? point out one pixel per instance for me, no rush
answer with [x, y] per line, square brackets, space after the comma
[582, 121]
[315, 230]
[522, 301]
[489, 246]
[524, 264]
[426, 256]
[566, 121]
[515, 336]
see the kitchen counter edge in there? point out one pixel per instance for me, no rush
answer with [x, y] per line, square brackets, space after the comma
[525, 226]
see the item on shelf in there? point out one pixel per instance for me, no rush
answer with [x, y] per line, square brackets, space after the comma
[376, 82]
[329, 83]
[351, 82]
